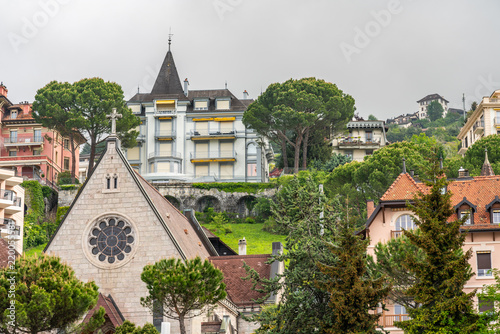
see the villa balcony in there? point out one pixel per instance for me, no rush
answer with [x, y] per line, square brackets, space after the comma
[141, 138]
[478, 128]
[396, 234]
[164, 154]
[355, 142]
[14, 203]
[388, 320]
[165, 135]
[220, 156]
[10, 230]
[497, 122]
[462, 150]
[207, 135]
[23, 141]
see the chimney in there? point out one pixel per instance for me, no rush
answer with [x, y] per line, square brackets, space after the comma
[463, 173]
[370, 207]
[412, 173]
[3, 90]
[245, 95]
[242, 247]
[277, 267]
[186, 84]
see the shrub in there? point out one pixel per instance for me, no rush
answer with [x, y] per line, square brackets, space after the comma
[232, 187]
[65, 178]
[249, 220]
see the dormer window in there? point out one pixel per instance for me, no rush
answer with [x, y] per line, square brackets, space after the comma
[201, 105]
[222, 104]
[165, 105]
[466, 209]
[13, 114]
[494, 209]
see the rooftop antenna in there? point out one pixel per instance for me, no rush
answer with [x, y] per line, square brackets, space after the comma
[226, 84]
[463, 101]
[170, 37]
[138, 86]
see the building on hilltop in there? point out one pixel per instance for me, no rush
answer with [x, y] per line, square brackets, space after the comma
[477, 196]
[363, 139]
[33, 151]
[484, 121]
[424, 102]
[12, 210]
[118, 223]
[195, 135]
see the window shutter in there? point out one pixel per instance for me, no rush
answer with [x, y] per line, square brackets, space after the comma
[485, 305]
[483, 260]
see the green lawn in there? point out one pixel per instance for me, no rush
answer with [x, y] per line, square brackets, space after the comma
[258, 241]
[35, 250]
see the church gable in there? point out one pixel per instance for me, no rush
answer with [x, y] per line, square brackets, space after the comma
[114, 228]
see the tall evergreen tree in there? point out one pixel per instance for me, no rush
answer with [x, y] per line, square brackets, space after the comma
[444, 270]
[354, 297]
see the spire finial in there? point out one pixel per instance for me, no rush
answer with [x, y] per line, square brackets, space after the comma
[441, 161]
[486, 170]
[170, 37]
[486, 161]
[404, 166]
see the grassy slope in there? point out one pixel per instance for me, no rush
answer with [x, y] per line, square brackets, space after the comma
[35, 250]
[258, 241]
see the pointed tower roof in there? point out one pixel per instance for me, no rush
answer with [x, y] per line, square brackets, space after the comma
[168, 82]
[486, 170]
[403, 188]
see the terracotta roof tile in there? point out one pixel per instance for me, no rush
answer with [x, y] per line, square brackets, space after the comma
[240, 291]
[112, 312]
[403, 188]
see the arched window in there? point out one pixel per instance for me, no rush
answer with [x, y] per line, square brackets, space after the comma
[252, 149]
[404, 222]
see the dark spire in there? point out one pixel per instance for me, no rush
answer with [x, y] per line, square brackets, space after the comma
[168, 81]
[404, 166]
[486, 170]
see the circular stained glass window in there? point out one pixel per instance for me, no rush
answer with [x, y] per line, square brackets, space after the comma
[111, 239]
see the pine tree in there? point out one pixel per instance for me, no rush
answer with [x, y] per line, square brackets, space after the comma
[354, 297]
[444, 271]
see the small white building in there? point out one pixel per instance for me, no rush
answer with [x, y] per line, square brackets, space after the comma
[484, 121]
[11, 209]
[424, 102]
[195, 135]
[363, 138]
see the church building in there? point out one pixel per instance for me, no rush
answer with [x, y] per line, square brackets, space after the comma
[117, 224]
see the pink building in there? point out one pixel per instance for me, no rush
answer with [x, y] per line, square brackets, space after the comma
[33, 151]
[477, 196]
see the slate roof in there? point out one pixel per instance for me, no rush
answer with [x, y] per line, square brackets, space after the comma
[113, 314]
[4, 253]
[240, 291]
[167, 81]
[365, 124]
[432, 97]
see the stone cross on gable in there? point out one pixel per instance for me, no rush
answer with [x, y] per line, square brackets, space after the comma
[114, 116]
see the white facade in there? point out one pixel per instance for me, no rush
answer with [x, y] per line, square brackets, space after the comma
[12, 209]
[484, 121]
[423, 103]
[363, 139]
[195, 136]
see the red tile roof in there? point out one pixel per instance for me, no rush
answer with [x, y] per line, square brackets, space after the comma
[4, 253]
[404, 188]
[240, 291]
[112, 312]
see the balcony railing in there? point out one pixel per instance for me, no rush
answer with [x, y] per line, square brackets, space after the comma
[141, 137]
[396, 234]
[9, 195]
[213, 155]
[355, 141]
[497, 121]
[164, 154]
[9, 226]
[478, 127]
[388, 320]
[35, 140]
[197, 134]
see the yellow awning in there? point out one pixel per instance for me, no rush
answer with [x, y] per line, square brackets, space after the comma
[202, 119]
[224, 119]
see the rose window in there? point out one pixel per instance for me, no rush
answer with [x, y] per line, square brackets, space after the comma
[111, 239]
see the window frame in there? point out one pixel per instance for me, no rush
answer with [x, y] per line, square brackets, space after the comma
[484, 272]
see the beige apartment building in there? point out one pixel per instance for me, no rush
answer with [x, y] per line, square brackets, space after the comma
[363, 138]
[484, 121]
[11, 208]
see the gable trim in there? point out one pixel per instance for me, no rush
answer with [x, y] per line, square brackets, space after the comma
[465, 201]
[495, 200]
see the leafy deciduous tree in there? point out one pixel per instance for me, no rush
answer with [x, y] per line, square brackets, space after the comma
[183, 288]
[47, 296]
[435, 111]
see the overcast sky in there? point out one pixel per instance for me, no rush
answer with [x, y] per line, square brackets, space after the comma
[386, 54]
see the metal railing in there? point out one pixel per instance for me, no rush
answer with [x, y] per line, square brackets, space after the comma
[396, 234]
[141, 137]
[10, 225]
[164, 154]
[497, 120]
[358, 141]
[25, 140]
[165, 133]
[478, 124]
[388, 320]
[207, 133]
[213, 155]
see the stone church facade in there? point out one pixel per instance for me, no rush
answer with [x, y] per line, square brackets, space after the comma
[117, 224]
